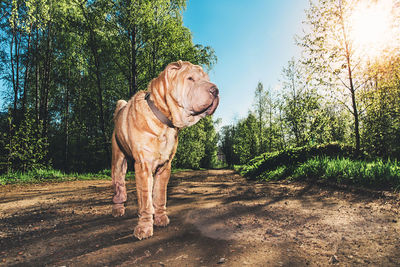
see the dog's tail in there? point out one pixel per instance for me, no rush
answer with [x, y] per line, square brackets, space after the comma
[120, 105]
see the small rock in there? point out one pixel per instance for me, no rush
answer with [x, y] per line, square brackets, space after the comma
[221, 260]
[333, 259]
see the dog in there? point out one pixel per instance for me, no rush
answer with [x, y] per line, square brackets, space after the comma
[146, 129]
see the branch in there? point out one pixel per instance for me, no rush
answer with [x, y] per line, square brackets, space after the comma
[345, 105]
[340, 79]
[362, 84]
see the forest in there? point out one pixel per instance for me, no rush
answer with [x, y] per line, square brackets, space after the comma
[65, 63]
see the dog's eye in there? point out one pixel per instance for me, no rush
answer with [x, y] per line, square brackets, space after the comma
[191, 79]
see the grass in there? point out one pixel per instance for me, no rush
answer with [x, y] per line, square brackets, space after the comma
[332, 163]
[50, 175]
[377, 174]
[256, 167]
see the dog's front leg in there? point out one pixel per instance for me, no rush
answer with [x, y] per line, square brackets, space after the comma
[144, 186]
[160, 195]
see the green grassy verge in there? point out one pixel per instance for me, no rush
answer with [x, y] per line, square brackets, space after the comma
[50, 175]
[331, 162]
[257, 167]
[377, 174]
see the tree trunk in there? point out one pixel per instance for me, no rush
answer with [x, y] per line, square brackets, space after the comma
[14, 59]
[93, 47]
[27, 72]
[354, 105]
[350, 77]
[133, 62]
[37, 66]
[44, 106]
[66, 124]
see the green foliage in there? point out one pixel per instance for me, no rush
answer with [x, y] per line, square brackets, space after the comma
[291, 157]
[24, 147]
[240, 142]
[299, 98]
[331, 162]
[31, 176]
[197, 146]
[246, 141]
[51, 175]
[376, 174]
[381, 131]
[209, 159]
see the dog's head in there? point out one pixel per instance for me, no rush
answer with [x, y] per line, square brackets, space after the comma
[184, 90]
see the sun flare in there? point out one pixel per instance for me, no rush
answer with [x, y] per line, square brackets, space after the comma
[373, 28]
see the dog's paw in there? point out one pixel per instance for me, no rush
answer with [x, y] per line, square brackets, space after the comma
[118, 210]
[143, 231]
[161, 220]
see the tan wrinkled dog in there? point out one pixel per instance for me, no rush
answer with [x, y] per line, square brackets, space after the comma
[146, 129]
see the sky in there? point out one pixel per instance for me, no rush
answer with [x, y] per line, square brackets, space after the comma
[253, 41]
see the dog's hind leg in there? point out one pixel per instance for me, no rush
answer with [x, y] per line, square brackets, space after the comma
[118, 172]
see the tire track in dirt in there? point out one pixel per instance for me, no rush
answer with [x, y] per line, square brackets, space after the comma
[217, 218]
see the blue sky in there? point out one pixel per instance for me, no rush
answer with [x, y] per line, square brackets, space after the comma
[253, 41]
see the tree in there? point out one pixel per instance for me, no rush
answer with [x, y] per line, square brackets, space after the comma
[381, 131]
[300, 104]
[246, 144]
[260, 109]
[226, 144]
[329, 51]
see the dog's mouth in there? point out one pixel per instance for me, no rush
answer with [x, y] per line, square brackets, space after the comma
[211, 109]
[208, 110]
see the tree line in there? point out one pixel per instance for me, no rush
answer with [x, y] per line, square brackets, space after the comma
[65, 63]
[335, 92]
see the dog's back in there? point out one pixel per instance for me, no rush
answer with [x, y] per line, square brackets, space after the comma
[120, 105]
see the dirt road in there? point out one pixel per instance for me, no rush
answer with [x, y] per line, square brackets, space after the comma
[217, 219]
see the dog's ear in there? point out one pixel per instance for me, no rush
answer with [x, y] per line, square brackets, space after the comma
[172, 69]
[174, 66]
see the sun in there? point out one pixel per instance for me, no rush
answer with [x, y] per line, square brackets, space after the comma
[372, 27]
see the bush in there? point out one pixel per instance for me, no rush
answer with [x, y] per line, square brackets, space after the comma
[375, 174]
[24, 147]
[291, 157]
[332, 162]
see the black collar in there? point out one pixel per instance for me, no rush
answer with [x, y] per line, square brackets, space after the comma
[157, 112]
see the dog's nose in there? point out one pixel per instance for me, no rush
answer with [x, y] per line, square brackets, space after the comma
[214, 91]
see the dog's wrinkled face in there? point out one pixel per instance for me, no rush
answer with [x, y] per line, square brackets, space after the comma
[192, 90]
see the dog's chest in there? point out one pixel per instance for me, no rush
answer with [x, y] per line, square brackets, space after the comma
[167, 143]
